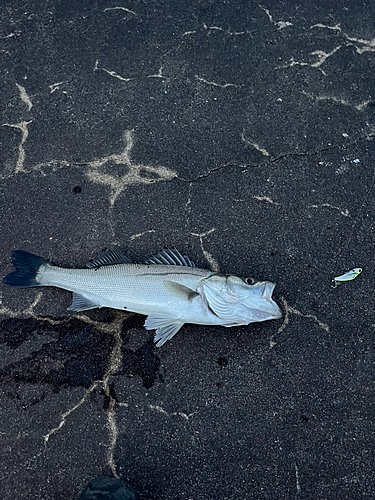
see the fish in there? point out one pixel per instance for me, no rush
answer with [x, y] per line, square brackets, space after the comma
[168, 288]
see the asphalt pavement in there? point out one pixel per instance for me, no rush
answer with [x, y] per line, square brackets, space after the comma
[241, 134]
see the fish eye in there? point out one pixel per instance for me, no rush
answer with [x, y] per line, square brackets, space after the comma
[249, 281]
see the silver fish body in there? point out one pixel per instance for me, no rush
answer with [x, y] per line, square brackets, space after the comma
[168, 288]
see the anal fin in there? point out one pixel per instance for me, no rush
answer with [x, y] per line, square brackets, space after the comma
[82, 303]
[166, 327]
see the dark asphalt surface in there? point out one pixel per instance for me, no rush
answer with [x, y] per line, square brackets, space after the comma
[243, 135]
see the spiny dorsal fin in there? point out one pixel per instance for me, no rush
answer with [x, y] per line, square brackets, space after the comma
[170, 257]
[109, 258]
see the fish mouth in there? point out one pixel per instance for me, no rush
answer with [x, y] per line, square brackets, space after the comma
[267, 305]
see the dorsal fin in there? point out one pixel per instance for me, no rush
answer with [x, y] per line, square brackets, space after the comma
[170, 257]
[109, 258]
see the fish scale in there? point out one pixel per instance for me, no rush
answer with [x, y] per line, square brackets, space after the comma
[120, 284]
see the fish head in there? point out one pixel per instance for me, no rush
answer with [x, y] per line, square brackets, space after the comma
[255, 298]
[240, 300]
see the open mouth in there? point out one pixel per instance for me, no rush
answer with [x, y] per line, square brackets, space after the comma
[269, 306]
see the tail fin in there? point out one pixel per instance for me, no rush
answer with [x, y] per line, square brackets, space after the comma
[26, 268]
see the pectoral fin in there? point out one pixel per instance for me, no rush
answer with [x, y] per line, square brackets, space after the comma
[81, 303]
[166, 327]
[180, 291]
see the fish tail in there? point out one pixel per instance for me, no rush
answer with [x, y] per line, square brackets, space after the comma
[26, 266]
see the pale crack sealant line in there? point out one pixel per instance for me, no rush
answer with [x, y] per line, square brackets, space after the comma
[108, 328]
[28, 312]
[367, 45]
[118, 184]
[114, 363]
[254, 145]
[188, 202]
[223, 86]
[111, 73]
[290, 310]
[55, 86]
[23, 126]
[187, 211]
[280, 24]
[181, 414]
[139, 235]
[159, 74]
[189, 32]
[66, 414]
[298, 485]
[212, 262]
[24, 97]
[344, 102]
[124, 9]
[345, 212]
[218, 28]
[267, 199]
[322, 57]
[52, 164]
[113, 366]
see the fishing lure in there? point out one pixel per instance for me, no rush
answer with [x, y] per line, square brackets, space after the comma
[350, 275]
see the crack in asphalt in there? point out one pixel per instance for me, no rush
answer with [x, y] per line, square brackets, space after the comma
[368, 137]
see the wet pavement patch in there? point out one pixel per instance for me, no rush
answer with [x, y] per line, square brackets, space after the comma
[143, 362]
[76, 356]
